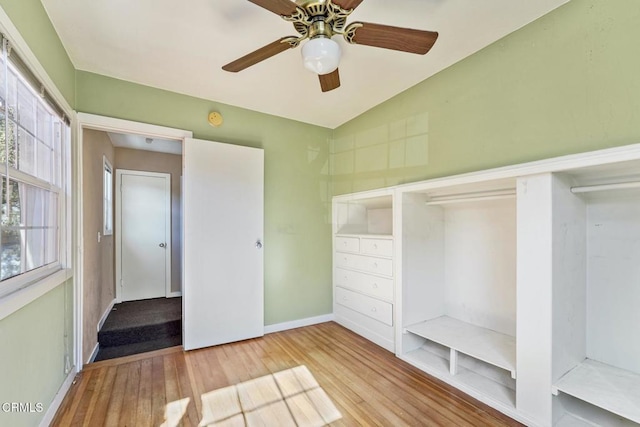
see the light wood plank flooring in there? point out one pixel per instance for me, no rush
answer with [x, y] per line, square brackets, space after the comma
[368, 385]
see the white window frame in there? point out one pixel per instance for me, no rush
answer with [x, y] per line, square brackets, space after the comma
[20, 290]
[23, 280]
[107, 197]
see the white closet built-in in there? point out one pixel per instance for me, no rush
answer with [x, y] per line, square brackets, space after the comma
[519, 285]
[364, 266]
[458, 269]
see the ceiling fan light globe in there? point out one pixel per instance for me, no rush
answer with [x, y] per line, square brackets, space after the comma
[321, 55]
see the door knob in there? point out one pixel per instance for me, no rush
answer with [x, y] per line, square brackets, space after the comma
[258, 244]
[162, 245]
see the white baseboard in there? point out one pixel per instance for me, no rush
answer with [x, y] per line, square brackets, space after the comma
[57, 400]
[174, 294]
[94, 353]
[105, 314]
[269, 329]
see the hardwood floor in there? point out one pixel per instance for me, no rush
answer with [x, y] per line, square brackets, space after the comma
[368, 385]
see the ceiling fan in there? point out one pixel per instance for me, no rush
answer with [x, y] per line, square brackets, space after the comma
[318, 21]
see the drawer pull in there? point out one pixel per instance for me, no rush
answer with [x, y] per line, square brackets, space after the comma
[375, 286]
[375, 246]
[374, 309]
[375, 265]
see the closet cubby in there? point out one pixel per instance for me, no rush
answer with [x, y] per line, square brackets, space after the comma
[458, 273]
[364, 216]
[596, 295]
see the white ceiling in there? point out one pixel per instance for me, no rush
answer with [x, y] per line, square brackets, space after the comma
[181, 46]
[139, 142]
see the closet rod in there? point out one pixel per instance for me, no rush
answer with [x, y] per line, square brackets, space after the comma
[605, 187]
[472, 197]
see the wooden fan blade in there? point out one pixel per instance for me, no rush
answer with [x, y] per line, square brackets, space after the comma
[259, 55]
[347, 4]
[396, 38]
[329, 81]
[279, 7]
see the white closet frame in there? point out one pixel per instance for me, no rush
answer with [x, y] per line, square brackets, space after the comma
[543, 386]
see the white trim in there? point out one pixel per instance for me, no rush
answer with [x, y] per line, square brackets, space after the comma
[110, 124]
[94, 353]
[606, 187]
[106, 314]
[167, 230]
[472, 197]
[16, 283]
[106, 124]
[278, 327]
[174, 294]
[77, 252]
[57, 400]
[11, 303]
[107, 167]
[554, 164]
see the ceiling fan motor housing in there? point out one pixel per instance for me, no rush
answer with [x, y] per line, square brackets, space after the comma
[318, 17]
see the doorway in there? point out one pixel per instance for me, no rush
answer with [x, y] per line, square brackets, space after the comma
[143, 235]
[222, 282]
[134, 147]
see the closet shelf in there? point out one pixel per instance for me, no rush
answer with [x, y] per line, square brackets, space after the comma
[365, 235]
[484, 344]
[613, 389]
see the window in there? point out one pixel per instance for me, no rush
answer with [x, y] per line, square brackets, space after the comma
[107, 199]
[34, 144]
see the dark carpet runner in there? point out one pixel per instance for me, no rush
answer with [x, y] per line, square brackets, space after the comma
[135, 327]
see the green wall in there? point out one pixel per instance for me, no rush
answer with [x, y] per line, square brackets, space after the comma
[35, 340]
[569, 82]
[297, 221]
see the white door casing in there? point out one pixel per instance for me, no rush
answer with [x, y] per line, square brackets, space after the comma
[223, 295]
[143, 235]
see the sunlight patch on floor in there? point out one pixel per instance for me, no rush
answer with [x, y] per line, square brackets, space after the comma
[174, 411]
[287, 398]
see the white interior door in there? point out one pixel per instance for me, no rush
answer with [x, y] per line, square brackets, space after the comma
[143, 235]
[223, 224]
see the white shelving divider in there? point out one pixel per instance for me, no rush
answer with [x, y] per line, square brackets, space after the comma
[613, 389]
[489, 346]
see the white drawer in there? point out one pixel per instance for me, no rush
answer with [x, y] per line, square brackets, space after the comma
[376, 286]
[371, 329]
[376, 309]
[347, 244]
[365, 263]
[381, 247]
